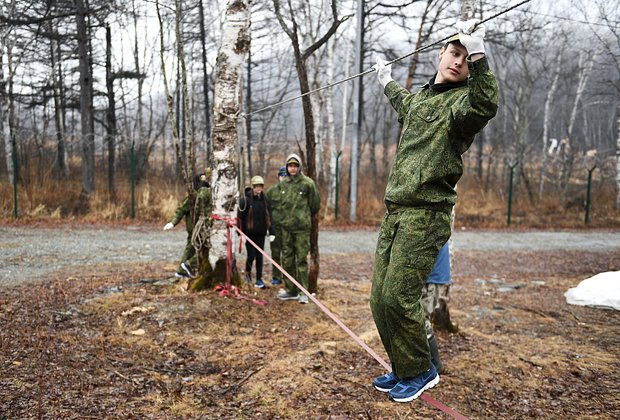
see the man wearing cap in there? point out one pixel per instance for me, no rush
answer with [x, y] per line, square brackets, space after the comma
[255, 217]
[300, 201]
[439, 124]
[274, 195]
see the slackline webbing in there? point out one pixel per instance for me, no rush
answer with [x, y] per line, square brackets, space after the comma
[231, 223]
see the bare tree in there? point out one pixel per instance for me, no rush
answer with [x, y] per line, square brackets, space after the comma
[235, 45]
[302, 73]
[86, 92]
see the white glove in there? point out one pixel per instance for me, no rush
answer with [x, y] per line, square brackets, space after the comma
[168, 226]
[471, 36]
[384, 73]
[272, 238]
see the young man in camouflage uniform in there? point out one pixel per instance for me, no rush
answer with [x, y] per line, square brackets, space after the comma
[439, 124]
[274, 195]
[183, 211]
[299, 201]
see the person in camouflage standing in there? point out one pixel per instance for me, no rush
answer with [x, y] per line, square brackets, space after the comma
[183, 212]
[439, 124]
[300, 200]
[274, 195]
[436, 292]
[203, 207]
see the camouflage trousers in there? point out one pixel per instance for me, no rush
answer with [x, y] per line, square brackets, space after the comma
[295, 248]
[408, 244]
[276, 255]
[432, 295]
[188, 253]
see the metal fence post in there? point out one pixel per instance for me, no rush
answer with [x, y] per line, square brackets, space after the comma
[15, 176]
[337, 179]
[133, 181]
[512, 170]
[590, 170]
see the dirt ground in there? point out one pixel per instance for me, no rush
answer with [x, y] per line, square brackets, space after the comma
[130, 343]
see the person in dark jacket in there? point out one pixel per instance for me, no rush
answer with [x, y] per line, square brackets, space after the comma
[255, 218]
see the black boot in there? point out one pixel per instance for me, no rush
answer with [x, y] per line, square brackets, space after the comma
[432, 343]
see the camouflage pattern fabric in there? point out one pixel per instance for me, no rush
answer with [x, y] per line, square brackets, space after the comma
[182, 212]
[203, 207]
[432, 294]
[437, 129]
[274, 195]
[300, 200]
[276, 255]
[408, 244]
[295, 258]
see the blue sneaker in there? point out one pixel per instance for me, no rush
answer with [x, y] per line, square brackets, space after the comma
[275, 281]
[411, 388]
[259, 284]
[385, 382]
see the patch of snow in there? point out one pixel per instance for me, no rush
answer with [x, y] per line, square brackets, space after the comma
[602, 290]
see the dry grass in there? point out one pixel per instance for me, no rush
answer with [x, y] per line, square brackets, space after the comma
[156, 198]
[68, 351]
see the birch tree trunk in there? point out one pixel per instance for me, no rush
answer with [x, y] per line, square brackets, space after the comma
[359, 111]
[546, 122]
[618, 162]
[228, 70]
[331, 127]
[586, 64]
[6, 99]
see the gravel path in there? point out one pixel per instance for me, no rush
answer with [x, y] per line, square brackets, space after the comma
[28, 253]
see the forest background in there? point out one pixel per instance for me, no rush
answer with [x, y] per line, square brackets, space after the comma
[87, 132]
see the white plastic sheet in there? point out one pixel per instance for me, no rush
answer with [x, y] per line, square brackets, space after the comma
[601, 290]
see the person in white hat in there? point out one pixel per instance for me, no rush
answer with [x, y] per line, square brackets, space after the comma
[255, 216]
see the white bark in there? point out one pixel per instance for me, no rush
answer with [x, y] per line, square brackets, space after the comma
[5, 105]
[547, 118]
[355, 139]
[329, 110]
[586, 63]
[230, 59]
[618, 163]
[316, 102]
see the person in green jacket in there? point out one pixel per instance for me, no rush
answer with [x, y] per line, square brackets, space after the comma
[274, 195]
[439, 125]
[300, 200]
[183, 212]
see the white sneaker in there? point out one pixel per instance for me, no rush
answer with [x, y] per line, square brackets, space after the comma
[303, 299]
[188, 270]
[284, 295]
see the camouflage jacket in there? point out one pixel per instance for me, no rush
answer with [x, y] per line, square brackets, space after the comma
[183, 212]
[300, 199]
[275, 197]
[203, 198]
[438, 127]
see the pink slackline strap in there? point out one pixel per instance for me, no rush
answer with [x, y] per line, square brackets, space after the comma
[346, 329]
